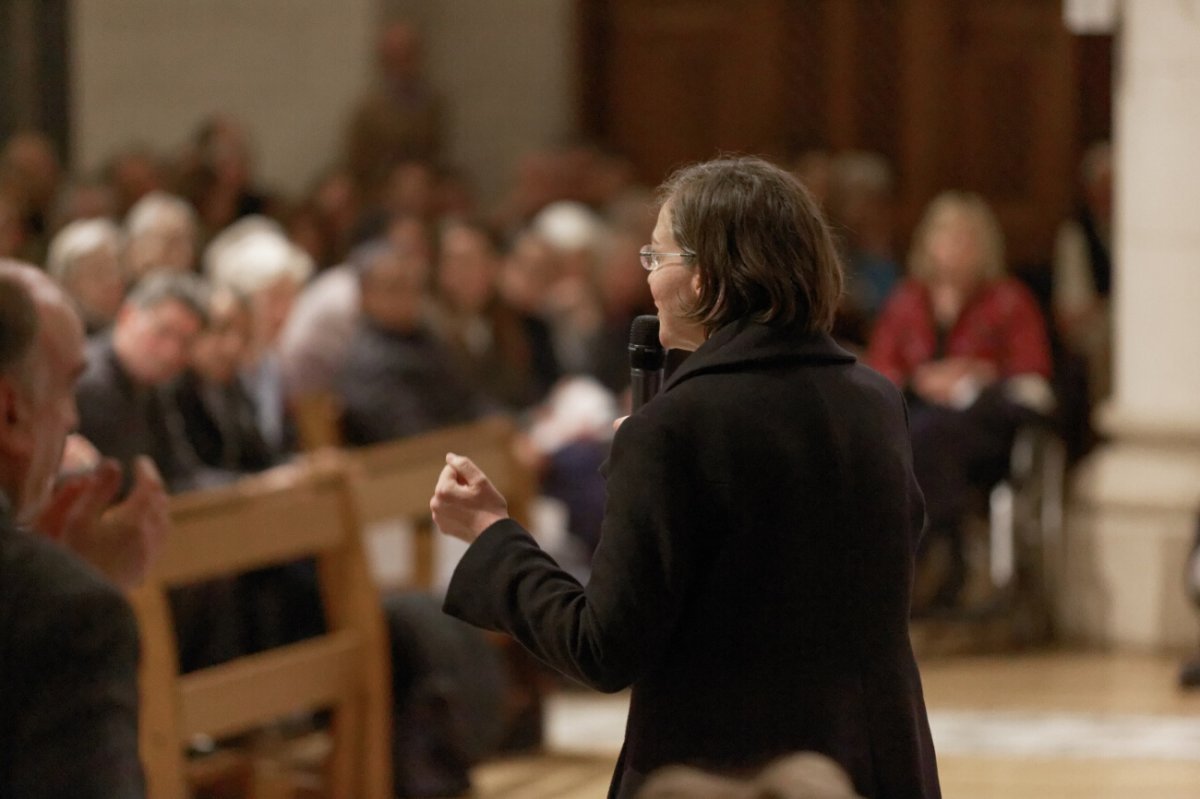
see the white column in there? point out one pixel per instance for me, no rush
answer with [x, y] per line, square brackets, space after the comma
[1135, 500]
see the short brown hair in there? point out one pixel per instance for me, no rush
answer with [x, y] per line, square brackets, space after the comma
[759, 241]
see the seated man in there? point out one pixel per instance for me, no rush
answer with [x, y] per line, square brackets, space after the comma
[397, 379]
[123, 409]
[68, 638]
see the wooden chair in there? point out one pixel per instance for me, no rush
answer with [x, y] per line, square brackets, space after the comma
[396, 479]
[318, 420]
[306, 512]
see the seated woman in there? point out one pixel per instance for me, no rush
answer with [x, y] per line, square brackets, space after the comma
[219, 416]
[506, 354]
[968, 346]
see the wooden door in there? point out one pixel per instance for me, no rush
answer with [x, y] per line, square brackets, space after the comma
[971, 94]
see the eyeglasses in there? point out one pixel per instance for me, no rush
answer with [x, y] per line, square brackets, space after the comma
[652, 260]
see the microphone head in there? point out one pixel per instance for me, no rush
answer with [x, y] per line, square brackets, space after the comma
[645, 350]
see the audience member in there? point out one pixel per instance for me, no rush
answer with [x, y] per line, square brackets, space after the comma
[160, 233]
[401, 119]
[85, 259]
[860, 205]
[1083, 272]
[216, 176]
[507, 355]
[573, 310]
[396, 378]
[255, 259]
[69, 640]
[133, 173]
[968, 345]
[220, 420]
[12, 227]
[123, 408]
[30, 172]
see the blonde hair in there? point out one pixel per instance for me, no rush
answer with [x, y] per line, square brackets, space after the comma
[976, 212]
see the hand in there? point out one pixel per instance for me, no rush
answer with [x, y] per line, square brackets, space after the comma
[121, 541]
[465, 503]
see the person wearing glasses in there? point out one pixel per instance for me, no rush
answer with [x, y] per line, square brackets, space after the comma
[753, 575]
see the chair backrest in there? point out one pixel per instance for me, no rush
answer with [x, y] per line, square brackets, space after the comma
[318, 420]
[307, 512]
[396, 479]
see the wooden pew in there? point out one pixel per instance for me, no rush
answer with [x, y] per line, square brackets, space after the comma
[305, 511]
[396, 479]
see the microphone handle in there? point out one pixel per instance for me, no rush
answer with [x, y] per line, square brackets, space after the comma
[644, 385]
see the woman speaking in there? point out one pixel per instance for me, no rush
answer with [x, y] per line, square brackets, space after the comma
[753, 576]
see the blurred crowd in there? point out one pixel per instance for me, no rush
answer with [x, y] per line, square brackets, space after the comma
[219, 309]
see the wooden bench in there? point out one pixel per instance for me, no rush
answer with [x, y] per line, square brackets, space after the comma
[308, 511]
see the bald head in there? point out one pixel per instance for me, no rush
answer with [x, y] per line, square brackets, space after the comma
[44, 341]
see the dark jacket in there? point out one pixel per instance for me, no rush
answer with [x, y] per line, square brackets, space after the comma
[68, 677]
[753, 577]
[220, 424]
[124, 420]
[394, 385]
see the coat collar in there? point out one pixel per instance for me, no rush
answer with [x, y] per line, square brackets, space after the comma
[743, 344]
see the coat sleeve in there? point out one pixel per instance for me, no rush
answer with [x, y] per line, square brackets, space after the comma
[607, 634]
[74, 731]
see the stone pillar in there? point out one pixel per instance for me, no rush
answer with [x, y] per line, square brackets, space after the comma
[1135, 501]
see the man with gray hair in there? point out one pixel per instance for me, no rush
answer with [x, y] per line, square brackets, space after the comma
[68, 640]
[85, 259]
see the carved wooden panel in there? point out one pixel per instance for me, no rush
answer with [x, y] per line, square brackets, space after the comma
[974, 94]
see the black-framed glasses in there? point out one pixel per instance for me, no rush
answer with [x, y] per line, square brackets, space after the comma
[652, 260]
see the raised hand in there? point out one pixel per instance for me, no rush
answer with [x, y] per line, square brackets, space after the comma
[465, 503]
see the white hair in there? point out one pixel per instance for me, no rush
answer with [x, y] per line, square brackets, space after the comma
[568, 225]
[78, 239]
[146, 213]
[253, 253]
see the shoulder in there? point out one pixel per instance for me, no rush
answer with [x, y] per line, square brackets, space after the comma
[61, 602]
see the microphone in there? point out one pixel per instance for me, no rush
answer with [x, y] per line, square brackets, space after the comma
[646, 360]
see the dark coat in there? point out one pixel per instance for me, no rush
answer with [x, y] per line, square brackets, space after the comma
[753, 577]
[221, 424]
[394, 384]
[68, 677]
[124, 420]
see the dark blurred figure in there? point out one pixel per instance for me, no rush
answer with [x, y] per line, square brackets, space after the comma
[216, 176]
[133, 173]
[220, 420]
[85, 259]
[860, 210]
[12, 226]
[401, 119]
[397, 379]
[507, 355]
[30, 173]
[814, 169]
[1083, 272]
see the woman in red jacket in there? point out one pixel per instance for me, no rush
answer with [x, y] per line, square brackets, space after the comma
[967, 344]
